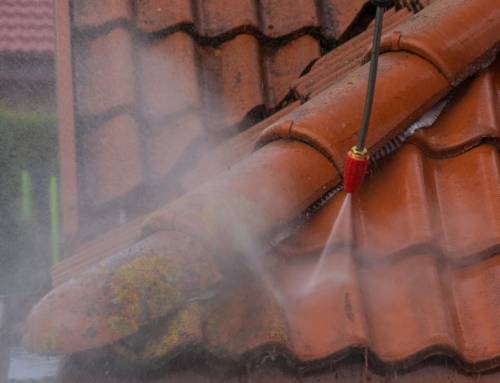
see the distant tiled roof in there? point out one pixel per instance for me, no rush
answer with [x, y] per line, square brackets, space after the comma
[26, 26]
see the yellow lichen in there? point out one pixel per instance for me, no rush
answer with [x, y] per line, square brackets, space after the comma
[280, 330]
[49, 343]
[122, 325]
[145, 279]
[180, 324]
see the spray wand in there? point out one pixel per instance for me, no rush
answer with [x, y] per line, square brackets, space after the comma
[357, 158]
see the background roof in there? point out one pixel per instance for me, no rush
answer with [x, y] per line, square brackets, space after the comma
[26, 26]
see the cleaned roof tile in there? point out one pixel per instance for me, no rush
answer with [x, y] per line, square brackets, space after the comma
[466, 50]
[227, 61]
[471, 117]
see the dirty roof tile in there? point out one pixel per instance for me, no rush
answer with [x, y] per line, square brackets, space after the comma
[168, 75]
[94, 13]
[167, 143]
[230, 152]
[157, 15]
[283, 66]
[282, 17]
[215, 19]
[401, 278]
[397, 287]
[26, 26]
[231, 72]
[343, 59]
[160, 62]
[337, 17]
[113, 149]
[104, 73]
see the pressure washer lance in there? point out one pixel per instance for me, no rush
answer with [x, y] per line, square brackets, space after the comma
[357, 158]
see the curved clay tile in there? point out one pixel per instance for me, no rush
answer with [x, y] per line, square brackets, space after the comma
[398, 285]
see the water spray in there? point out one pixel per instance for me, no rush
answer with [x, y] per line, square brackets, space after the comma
[357, 158]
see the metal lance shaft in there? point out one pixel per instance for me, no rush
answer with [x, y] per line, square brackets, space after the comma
[357, 158]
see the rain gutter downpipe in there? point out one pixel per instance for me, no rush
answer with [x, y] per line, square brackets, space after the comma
[357, 158]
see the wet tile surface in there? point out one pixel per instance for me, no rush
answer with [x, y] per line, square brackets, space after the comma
[399, 272]
[230, 63]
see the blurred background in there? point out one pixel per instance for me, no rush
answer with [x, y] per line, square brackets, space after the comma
[29, 217]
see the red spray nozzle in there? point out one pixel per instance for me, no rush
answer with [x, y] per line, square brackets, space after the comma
[356, 164]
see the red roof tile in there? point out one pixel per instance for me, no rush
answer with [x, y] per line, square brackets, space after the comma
[398, 279]
[168, 76]
[92, 13]
[226, 64]
[113, 149]
[104, 74]
[26, 26]
[400, 286]
[238, 82]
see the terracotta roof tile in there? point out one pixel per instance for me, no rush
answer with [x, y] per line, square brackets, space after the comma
[230, 152]
[480, 95]
[168, 76]
[227, 77]
[165, 146]
[283, 66]
[231, 66]
[342, 60]
[355, 304]
[281, 18]
[462, 57]
[215, 19]
[104, 73]
[396, 277]
[113, 149]
[26, 26]
[93, 13]
[156, 15]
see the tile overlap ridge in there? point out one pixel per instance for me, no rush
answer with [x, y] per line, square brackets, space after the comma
[426, 120]
[205, 24]
[467, 53]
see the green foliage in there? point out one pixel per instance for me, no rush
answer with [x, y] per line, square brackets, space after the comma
[28, 141]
